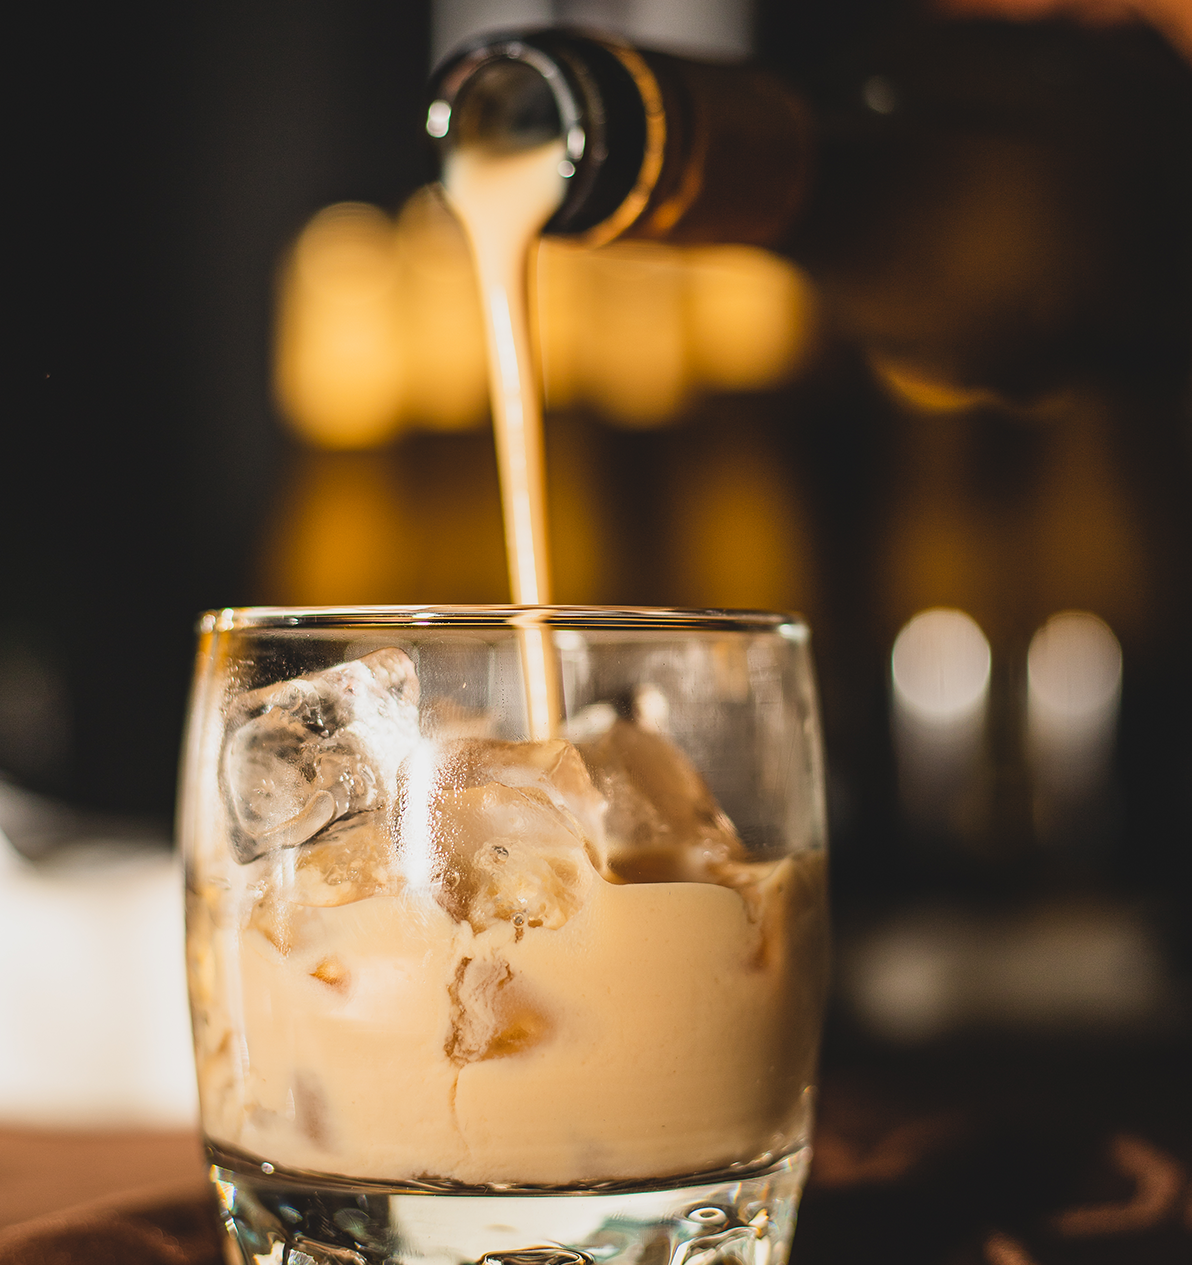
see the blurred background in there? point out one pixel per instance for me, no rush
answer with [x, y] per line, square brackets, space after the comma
[951, 423]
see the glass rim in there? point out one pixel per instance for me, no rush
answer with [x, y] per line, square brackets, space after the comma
[579, 618]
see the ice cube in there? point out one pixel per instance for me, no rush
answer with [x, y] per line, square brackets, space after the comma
[663, 823]
[278, 920]
[515, 830]
[512, 857]
[306, 752]
[350, 860]
[492, 1014]
[554, 767]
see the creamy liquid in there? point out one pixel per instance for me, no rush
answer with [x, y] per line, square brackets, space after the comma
[351, 1018]
[538, 962]
[503, 202]
[662, 1029]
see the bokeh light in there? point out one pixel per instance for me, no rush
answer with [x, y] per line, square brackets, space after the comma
[940, 666]
[378, 326]
[1074, 684]
[939, 673]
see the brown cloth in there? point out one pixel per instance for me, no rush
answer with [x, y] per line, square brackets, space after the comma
[44, 1170]
[174, 1229]
[71, 1196]
[1001, 1160]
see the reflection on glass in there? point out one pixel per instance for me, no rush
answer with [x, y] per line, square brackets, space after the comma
[925, 392]
[939, 672]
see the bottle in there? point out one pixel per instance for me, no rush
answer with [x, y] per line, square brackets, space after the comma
[658, 147]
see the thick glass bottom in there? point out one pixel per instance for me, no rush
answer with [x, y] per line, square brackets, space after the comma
[308, 1219]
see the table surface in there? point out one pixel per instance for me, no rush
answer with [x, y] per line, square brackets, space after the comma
[47, 1170]
[1006, 1158]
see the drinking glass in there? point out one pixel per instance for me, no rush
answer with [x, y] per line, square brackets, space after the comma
[468, 985]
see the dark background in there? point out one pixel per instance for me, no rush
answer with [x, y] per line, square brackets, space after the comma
[168, 154]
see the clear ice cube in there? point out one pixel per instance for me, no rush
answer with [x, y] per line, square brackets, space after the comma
[553, 767]
[349, 861]
[307, 752]
[516, 829]
[663, 823]
[512, 857]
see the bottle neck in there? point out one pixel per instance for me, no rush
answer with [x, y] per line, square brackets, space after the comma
[659, 147]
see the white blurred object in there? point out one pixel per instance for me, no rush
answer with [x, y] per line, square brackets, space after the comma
[1074, 687]
[1061, 967]
[710, 27]
[939, 675]
[707, 27]
[453, 21]
[94, 1029]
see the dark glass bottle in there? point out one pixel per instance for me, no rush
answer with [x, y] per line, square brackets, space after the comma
[660, 147]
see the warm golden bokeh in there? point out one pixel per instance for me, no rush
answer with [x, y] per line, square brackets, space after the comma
[422, 523]
[923, 393]
[1172, 17]
[342, 352]
[1071, 536]
[379, 328]
[737, 536]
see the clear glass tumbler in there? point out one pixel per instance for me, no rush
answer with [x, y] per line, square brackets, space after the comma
[507, 932]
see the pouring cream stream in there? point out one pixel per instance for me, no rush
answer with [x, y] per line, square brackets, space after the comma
[502, 201]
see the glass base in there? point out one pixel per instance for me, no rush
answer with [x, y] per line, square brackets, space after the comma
[309, 1219]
